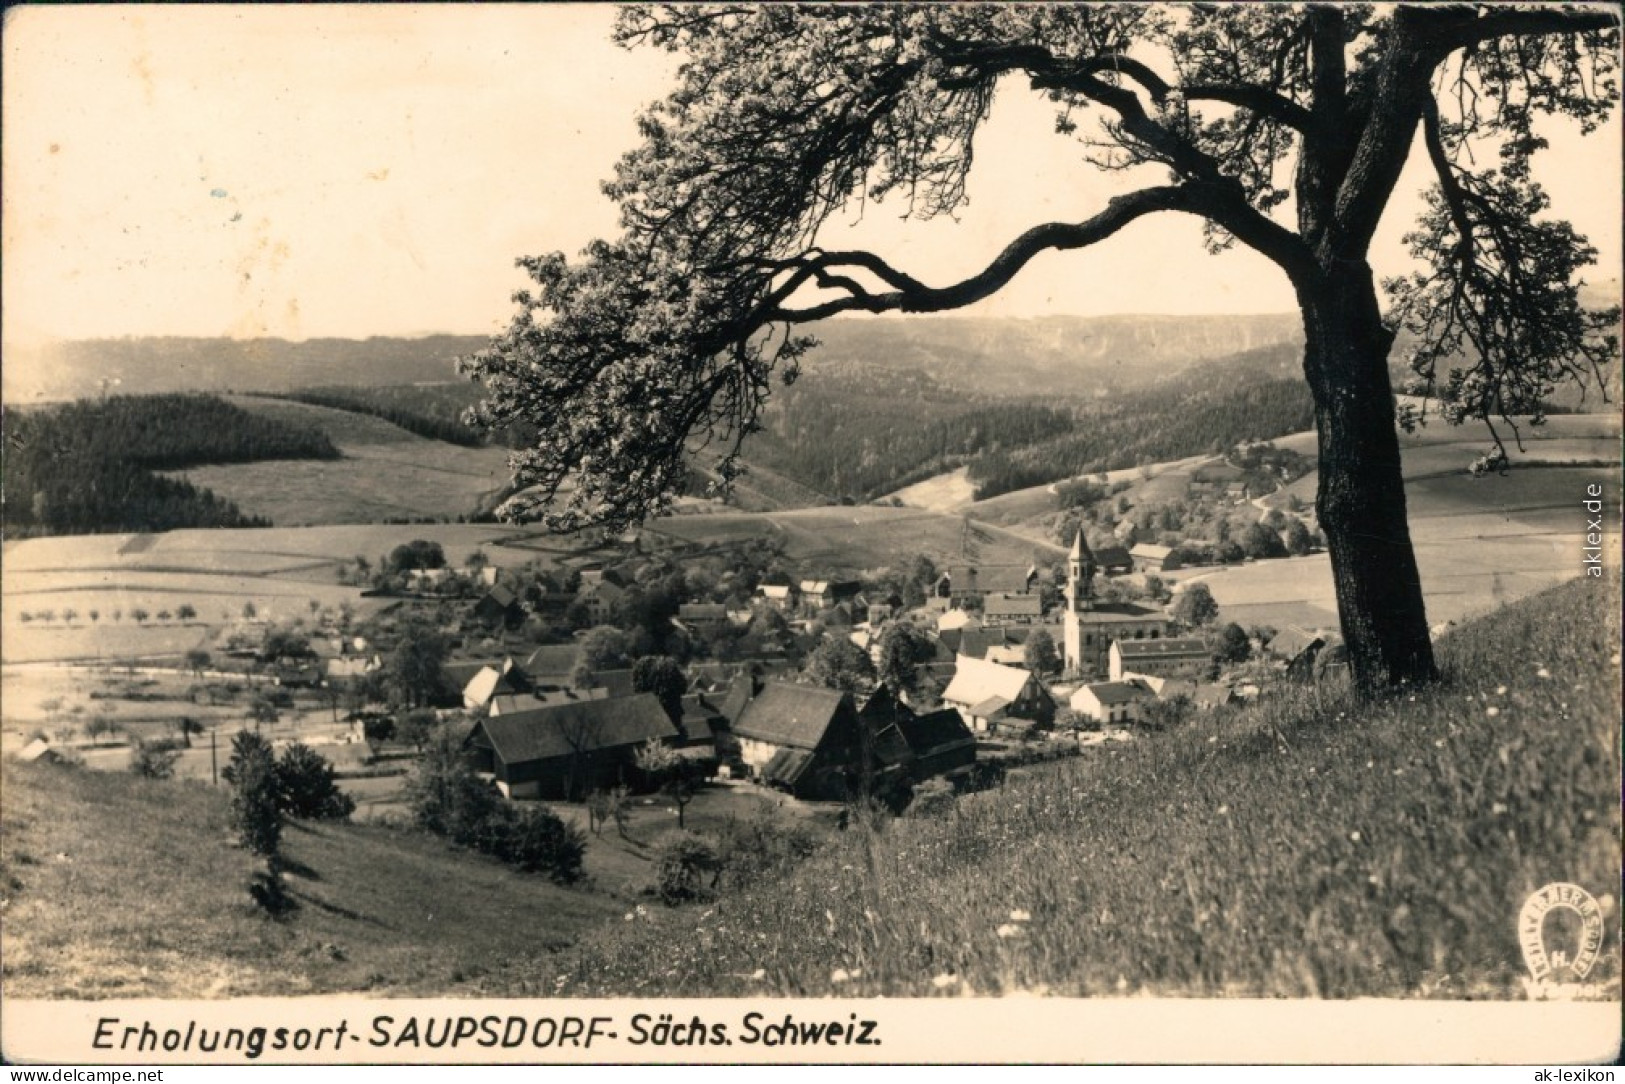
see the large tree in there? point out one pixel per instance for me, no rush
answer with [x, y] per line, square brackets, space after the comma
[668, 337]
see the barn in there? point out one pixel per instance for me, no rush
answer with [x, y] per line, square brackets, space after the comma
[566, 751]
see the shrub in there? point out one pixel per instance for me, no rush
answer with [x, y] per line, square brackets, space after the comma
[154, 759]
[687, 868]
[537, 840]
[307, 787]
[760, 849]
[932, 798]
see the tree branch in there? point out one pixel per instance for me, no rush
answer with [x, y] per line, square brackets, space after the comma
[1513, 22]
[1265, 103]
[911, 295]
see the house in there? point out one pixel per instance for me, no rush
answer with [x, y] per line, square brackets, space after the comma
[1150, 558]
[1180, 656]
[40, 751]
[1114, 703]
[702, 616]
[702, 719]
[600, 598]
[499, 608]
[1210, 696]
[987, 695]
[566, 751]
[778, 596]
[964, 583]
[999, 610]
[1298, 648]
[820, 595]
[883, 606]
[427, 579]
[1216, 477]
[552, 664]
[1006, 654]
[938, 743]
[802, 738]
[489, 682]
[351, 667]
[1166, 688]
[1114, 560]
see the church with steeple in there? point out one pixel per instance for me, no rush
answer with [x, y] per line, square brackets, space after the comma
[1091, 626]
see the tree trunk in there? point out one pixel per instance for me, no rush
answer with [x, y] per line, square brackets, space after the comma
[1361, 503]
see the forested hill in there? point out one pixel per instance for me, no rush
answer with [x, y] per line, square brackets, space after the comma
[88, 467]
[1071, 356]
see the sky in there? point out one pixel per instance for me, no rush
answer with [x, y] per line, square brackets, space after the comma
[310, 171]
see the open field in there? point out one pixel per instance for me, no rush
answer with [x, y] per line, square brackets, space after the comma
[385, 473]
[280, 570]
[856, 537]
[1480, 543]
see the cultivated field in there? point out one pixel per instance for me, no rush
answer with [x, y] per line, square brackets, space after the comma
[857, 537]
[1480, 543]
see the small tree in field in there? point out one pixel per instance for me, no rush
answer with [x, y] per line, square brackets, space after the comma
[99, 726]
[678, 777]
[256, 813]
[153, 759]
[307, 787]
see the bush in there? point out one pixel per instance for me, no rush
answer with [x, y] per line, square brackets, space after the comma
[687, 868]
[762, 848]
[154, 759]
[537, 840]
[307, 787]
[932, 798]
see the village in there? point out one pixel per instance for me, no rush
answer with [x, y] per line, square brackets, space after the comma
[646, 669]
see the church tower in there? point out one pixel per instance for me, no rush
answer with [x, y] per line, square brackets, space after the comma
[1080, 597]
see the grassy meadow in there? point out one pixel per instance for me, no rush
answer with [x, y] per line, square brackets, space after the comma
[385, 473]
[1308, 847]
[116, 886]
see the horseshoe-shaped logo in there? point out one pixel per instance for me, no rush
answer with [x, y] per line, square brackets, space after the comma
[1568, 959]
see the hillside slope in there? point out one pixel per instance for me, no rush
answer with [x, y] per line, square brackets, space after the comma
[384, 473]
[116, 886]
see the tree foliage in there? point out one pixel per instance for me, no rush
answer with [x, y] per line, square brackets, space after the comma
[841, 665]
[662, 676]
[89, 466]
[256, 813]
[1195, 606]
[904, 648]
[668, 339]
[307, 787]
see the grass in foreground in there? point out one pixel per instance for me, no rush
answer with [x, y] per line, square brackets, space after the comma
[1307, 847]
[115, 886]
